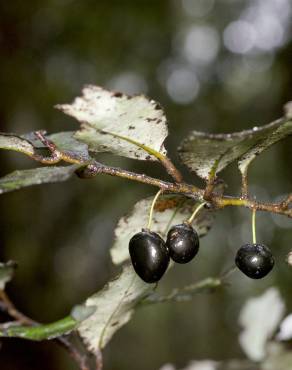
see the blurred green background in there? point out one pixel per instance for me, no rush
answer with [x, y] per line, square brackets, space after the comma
[215, 66]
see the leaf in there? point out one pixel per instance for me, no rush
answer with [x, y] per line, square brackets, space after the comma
[39, 332]
[64, 141]
[202, 365]
[29, 143]
[208, 154]
[259, 322]
[169, 210]
[167, 367]
[113, 308]
[16, 143]
[42, 175]
[276, 132]
[129, 126]
[226, 365]
[6, 273]
[285, 332]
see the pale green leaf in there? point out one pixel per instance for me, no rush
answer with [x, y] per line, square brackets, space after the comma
[64, 141]
[208, 154]
[285, 331]
[276, 132]
[113, 308]
[37, 176]
[169, 210]
[39, 332]
[259, 322]
[129, 126]
[29, 144]
[16, 143]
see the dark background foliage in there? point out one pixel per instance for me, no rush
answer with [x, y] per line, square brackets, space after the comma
[215, 66]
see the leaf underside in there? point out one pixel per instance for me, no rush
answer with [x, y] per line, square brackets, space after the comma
[42, 175]
[129, 126]
[208, 154]
[28, 144]
[64, 141]
[114, 307]
[259, 322]
[169, 210]
[16, 143]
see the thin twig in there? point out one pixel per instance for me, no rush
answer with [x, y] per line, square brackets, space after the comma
[286, 202]
[164, 160]
[98, 360]
[171, 169]
[225, 274]
[197, 193]
[182, 188]
[12, 311]
[20, 319]
[56, 154]
[244, 185]
[225, 201]
[188, 190]
[186, 293]
[81, 360]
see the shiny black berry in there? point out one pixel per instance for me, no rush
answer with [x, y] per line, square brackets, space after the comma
[183, 243]
[254, 260]
[149, 255]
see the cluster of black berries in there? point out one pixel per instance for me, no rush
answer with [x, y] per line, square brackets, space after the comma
[150, 254]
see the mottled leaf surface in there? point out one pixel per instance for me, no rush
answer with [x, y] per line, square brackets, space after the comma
[42, 175]
[208, 154]
[169, 210]
[276, 132]
[29, 144]
[16, 143]
[64, 141]
[129, 126]
[113, 307]
[6, 273]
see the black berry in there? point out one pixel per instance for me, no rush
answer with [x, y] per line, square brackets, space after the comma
[149, 255]
[183, 243]
[254, 260]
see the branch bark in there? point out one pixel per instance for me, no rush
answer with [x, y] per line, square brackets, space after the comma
[217, 202]
[92, 168]
[186, 293]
